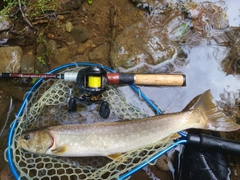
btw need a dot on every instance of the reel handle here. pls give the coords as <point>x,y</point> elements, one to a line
<point>147,79</point>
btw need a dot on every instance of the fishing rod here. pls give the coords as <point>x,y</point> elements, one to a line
<point>94,74</point>
<point>92,83</point>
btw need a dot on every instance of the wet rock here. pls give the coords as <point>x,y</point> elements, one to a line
<point>214,13</point>
<point>70,5</point>
<point>80,34</point>
<point>231,64</point>
<point>151,5</point>
<point>27,63</point>
<point>10,58</point>
<point>146,46</point>
<point>5,36</point>
<point>100,53</point>
<point>5,23</point>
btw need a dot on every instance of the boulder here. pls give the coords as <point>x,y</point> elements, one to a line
<point>5,23</point>
<point>10,58</point>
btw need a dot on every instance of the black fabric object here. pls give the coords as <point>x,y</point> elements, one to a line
<point>198,164</point>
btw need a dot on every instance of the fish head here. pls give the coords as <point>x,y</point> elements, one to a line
<point>36,141</point>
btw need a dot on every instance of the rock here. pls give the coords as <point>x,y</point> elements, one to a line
<point>83,47</point>
<point>5,23</point>
<point>59,57</point>
<point>71,5</point>
<point>68,27</point>
<point>80,34</point>
<point>52,45</point>
<point>41,53</point>
<point>60,17</point>
<point>27,63</point>
<point>10,58</point>
<point>146,46</point>
<point>215,14</point>
<point>152,5</point>
<point>5,36</point>
<point>231,64</point>
<point>100,53</point>
<point>41,49</point>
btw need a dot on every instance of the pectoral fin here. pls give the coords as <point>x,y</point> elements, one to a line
<point>116,157</point>
<point>59,150</point>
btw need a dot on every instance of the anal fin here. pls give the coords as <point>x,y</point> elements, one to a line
<point>175,136</point>
<point>115,157</point>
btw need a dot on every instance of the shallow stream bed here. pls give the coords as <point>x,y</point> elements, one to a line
<point>160,38</point>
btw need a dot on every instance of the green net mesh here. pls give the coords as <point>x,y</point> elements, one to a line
<point>48,106</point>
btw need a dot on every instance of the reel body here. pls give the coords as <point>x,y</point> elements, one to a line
<point>92,83</point>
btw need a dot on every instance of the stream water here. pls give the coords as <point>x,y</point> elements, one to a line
<point>203,71</point>
<point>212,64</point>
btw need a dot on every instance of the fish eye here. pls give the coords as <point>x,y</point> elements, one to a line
<point>26,137</point>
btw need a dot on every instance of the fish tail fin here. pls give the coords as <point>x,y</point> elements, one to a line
<point>214,118</point>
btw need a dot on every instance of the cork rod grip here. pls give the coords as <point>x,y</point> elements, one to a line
<point>160,79</point>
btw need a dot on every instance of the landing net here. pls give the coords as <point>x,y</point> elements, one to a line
<point>47,107</point>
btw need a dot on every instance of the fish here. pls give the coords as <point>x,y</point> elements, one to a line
<point>112,139</point>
